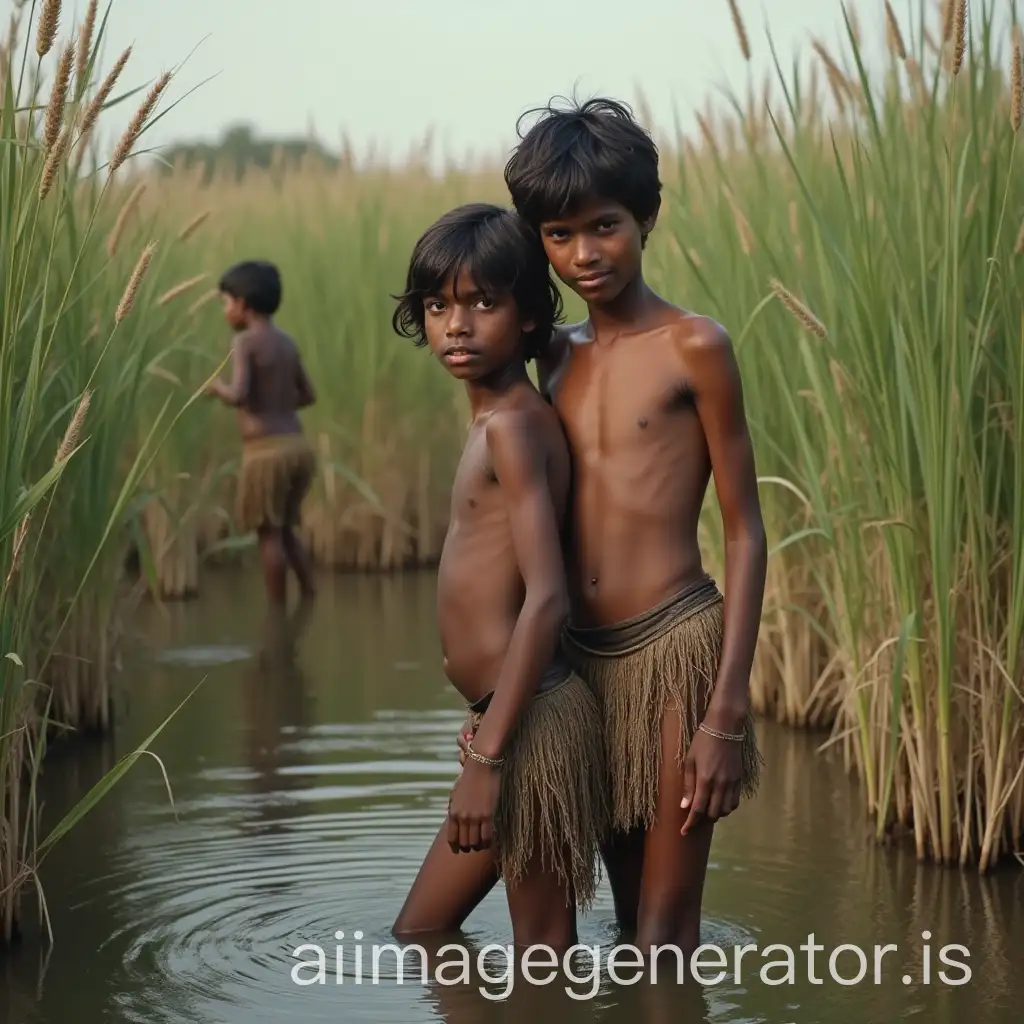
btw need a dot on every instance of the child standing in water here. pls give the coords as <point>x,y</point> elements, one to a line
<point>650,399</point>
<point>529,803</point>
<point>268,386</point>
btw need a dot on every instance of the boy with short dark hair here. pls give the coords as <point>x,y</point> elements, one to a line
<point>269,385</point>
<point>529,805</point>
<point>651,401</point>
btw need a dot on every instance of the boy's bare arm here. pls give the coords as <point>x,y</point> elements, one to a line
<point>306,391</point>
<point>548,363</point>
<point>520,463</point>
<point>237,391</point>
<point>715,378</point>
<point>713,768</point>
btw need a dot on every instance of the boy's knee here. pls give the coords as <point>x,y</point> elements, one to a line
<point>671,919</point>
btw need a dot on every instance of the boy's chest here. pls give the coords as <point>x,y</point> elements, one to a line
<point>611,401</point>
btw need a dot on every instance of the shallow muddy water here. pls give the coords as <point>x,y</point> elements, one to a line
<point>308,779</point>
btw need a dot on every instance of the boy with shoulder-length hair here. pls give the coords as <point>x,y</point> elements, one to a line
<point>650,399</point>
<point>530,803</point>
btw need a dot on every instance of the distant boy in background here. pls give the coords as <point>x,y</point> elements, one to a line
<point>268,386</point>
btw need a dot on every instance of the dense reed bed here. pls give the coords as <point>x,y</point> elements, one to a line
<point>870,265</point>
<point>81,338</point>
<point>856,224</point>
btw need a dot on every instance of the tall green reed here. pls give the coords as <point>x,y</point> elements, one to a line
<point>886,441</point>
<point>74,353</point>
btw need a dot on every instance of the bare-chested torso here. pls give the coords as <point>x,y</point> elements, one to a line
<point>277,383</point>
<point>480,590</point>
<point>641,465</point>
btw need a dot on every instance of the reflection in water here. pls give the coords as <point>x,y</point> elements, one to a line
<point>311,771</point>
<point>276,704</point>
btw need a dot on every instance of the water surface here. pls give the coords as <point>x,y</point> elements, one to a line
<point>308,779</point>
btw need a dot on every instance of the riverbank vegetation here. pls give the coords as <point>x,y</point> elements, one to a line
<point>856,223</point>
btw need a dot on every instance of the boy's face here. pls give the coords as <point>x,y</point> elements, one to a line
<point>597,250</point>
<point>234,311</point>
<point>473,334</point>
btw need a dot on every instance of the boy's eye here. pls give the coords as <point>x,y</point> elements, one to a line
<point>485,304</point>
<point>434,305</point>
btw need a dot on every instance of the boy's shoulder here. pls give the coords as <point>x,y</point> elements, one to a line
<point>695,333</point>
<point>523,431</point>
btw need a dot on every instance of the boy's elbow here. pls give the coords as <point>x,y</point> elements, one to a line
<point>552,608</point>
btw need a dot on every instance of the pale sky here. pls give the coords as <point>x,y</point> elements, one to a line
<point>385,71</point>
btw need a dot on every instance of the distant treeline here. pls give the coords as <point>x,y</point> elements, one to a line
<point>240,149</point>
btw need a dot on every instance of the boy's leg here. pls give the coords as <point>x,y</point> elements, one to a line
<point>299,562</point>
<point>542,909</point>
<point>623,857</point>
<point>674,866</point>
<point>447,889</point>
<point>294,551</point>
<point>275,564</point>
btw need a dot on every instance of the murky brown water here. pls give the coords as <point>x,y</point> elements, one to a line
<point>306,792</point>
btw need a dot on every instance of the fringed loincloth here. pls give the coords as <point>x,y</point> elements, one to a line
<point>275,474</point>
<point>665,658</point>
<point>553,799</point>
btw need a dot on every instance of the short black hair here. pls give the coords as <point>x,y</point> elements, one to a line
<point>256,282</point>
<point>501,254</point>
<point>590,150</point>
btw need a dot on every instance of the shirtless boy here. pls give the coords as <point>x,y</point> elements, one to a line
<point>268,386</point>
<point>650,399</point>
<point>529,803</point>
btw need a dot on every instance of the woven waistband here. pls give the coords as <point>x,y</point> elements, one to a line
<point>637,632</point>
<point>556,674</point>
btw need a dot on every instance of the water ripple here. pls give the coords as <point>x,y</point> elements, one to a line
<point>214,904</point>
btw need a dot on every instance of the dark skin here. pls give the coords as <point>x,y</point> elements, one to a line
<point>268,386</point>
<point>651,401</point>
<point>501,602</point>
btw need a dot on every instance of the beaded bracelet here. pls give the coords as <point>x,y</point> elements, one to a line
<point>736,737</point>
<point>492,762</point>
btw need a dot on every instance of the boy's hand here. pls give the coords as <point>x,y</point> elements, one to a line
<point>471,808</point>
<point>712,777</point>
<point>464,737</point>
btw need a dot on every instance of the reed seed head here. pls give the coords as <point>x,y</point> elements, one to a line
<point>1016,84</point>
<point>137,123</point>
<point>124,307</point>
<point>179,289</point>
<point>58,96</point>
<point>893,33</point>
<point>95,108</point>
<point>74,429</point>
<point>53,161</point>
<point>948,19</point>
<point>193,226</point>
<point>46,30</point>
<point>799,311</point>
<point>203,299</point>
<point>84,46</point>
<point>741,29</point>
<point>959,35</point>
<point>114,238</point>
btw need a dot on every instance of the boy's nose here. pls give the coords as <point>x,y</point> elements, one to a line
<point>586,254</point>
<point>458,325</point>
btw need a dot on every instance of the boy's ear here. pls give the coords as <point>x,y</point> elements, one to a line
<point>647,225</point>
<point>529,326</point>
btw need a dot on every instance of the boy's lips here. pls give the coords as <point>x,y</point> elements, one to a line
<point>456,355</point>
<point>593,279</point>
